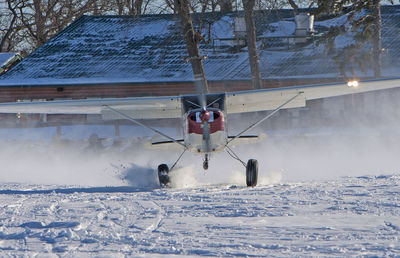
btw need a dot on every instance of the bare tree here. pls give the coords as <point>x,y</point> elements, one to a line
<point>9,19</point>
<point>225,5</point>
<point>279,4</point>
<point>377,38</point>
<point>100,7</point>
<point>42,19</point>
<point>192,40</point>
<point>248,6</point>
<point>30,23</point>
<point>130,7</point>
<point>367,28</point>
<point>295,7</point>
<point>170,5</point>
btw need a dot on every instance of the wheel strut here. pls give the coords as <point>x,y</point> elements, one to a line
<point>251,168</point>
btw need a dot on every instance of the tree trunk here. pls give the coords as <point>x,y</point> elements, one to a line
<point>5,40</point>
<point>294,6</point>
<point>192,40</point>
<point>120,5</point>
<point>138,7</point>
<point>377,39</point>
<point>40,23</point>
<point>248,6</point>
<point>226,5</point>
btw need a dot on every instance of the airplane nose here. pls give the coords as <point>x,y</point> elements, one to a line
<point>205,116</point>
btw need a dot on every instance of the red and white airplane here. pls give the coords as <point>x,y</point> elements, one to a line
<point>203,115</point>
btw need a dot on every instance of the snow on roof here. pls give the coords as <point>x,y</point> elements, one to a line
<point>127,49</point>
<point>4,57</point>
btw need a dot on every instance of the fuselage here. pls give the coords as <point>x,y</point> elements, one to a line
<point>194,137</point>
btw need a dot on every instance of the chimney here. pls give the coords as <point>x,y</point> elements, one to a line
<point>304,27</point>
<point>239,31</point>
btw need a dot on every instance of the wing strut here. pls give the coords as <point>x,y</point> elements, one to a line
<point>265,118</point>
<point>145,126</point>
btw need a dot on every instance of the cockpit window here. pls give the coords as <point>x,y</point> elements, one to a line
<point>196,116</point>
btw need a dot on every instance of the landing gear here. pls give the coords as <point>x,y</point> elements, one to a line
<point>251,172</point>
<point>251,168</point>
<point>163,176</point>
<point>205,162</point>
<point>163,171</point>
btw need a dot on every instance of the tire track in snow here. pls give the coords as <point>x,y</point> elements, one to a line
<point>159,217</point>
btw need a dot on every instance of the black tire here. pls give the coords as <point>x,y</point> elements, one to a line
<point>252,172</point>
<point>163,176</point>
<point>205,165</point>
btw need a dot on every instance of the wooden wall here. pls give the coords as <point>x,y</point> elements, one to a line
<point>13,93</point>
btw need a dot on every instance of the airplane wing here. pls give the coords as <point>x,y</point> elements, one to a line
<point>171,107</point>
<point>270,99</point>
<point>136,108</point>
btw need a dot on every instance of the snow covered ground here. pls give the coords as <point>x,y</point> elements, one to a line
<point>346,217</point>
<point>318,196</point>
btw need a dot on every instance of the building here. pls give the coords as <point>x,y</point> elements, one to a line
<point>8,61</point>
<point>121,56</point>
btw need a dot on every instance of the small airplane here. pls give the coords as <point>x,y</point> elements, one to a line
<point>204,116</point>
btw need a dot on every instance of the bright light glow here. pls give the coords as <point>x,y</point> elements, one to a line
<point>352,83</point>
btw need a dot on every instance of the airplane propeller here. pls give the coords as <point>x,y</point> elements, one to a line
<point>204,115</point>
